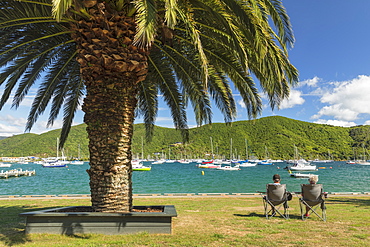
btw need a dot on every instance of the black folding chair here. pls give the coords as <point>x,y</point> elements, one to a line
<point>312,199</point>
<point>275,198</point>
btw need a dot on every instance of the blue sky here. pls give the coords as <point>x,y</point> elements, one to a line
<point>331,53</point>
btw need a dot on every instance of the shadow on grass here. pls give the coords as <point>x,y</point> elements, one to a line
<point>361,202</point>
<point>12,226</point>
<point>292,216</point>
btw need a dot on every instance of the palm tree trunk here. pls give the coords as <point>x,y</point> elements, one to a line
<point>109,115</point>
<point>111,68</point>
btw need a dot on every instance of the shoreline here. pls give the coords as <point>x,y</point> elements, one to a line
<point>166,195</point>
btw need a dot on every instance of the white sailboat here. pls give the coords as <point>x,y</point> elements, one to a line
<point>78,161</point>
<point>363,162</point>
<point>55,161</point>
<point>301,164</point>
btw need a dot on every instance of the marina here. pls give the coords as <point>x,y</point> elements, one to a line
<point>186,178</point>
<point>16,173</point>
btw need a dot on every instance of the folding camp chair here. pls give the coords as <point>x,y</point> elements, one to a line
<point>312,198</point>
<point>276,197</point>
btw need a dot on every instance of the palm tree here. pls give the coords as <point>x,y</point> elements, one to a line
<point>119,55</point>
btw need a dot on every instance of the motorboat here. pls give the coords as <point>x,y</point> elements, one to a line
<point>363,162</point>
<point>302,165</point>
<point>207,162</point>
<point>301,175</point>
<point>184,161</point>
<point>247,164</point>
<point>141,168</point>
<point>138,166</point>
<point>5,164</point>
<point>161,161</point>
<point>265,162</point>
<point>76,162</point>
<point>209,165</point>
<point>54,164</point>
<point>228,168</point>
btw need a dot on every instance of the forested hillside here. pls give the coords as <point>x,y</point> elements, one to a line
<point>270,137</point>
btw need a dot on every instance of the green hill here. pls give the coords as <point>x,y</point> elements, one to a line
<point>273,137</point>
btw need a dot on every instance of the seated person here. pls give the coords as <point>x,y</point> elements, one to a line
<point>313,179</point>
<point>276,179</point>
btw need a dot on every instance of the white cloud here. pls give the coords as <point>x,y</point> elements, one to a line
<point>367,122</point>
<point>337,112</point>
<point>11,120</point>
<point>9,130</point>
<point>27,100</point>
<point>336,123</point>
<point>40,126</point>
<point>293,100</point>
<point>310,82</point>
<point>161,119</point>
<point>347,99</point>
<point>241,104</point>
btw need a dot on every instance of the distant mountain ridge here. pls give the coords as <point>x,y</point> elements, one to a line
<point>269,137</point>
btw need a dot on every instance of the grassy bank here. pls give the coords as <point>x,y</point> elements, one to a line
<point>207,221</point>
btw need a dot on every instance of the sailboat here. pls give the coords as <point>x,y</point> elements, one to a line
<point>301,164</point>
<point>55,161</point>
<point>246,162</point>
<point>267,161</point>
<point>78,161</point>
<point>363,162</point>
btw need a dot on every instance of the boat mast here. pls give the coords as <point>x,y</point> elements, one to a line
<point>295,153</point>
<point>57,147</point>
<point>246,149</point>
<point>142,149</point>
<point>231,148</point>
<point>211,147</point>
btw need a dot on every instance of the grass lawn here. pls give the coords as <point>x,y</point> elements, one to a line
<point>209,221</point>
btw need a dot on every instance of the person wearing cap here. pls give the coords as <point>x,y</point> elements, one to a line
<point>276,179</point>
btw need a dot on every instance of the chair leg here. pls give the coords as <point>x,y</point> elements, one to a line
<point>275,210</point>
<point>265,204</point>
<point>313,210</point>
<point>286,213</point>
<point>324,214</point>
<point>301,205</point>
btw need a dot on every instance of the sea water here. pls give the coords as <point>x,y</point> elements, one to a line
<point>186,178</point>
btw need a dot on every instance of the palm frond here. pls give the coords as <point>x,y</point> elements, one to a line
<point>171,13</point>
<point>279,16</point>
<point>162,75</point>
<point>73,98</point>
<point>35,47</point>
<point>146,22</point>
<point>148,103</point>
<point>60,7</point>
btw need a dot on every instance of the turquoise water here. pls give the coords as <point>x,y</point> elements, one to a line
<point>185,178</point>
